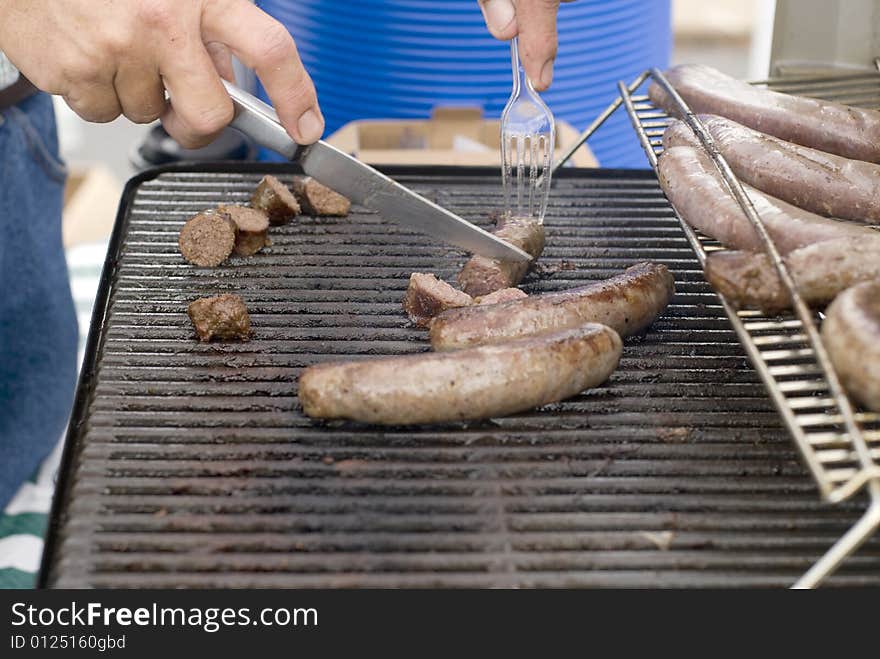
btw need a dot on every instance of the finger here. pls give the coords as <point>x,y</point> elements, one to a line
<point>95,102</point>
<point>537,39</point>
<point>222,58</point>
<point>140,92</point>
<point>265,45</point>
<point>199,106</point>
<point>500,16</point>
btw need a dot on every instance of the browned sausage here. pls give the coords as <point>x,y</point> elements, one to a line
<point>482,276</point>
<point>814,180</point>
<point>273,198</point>
<point>207,239</point>
<point>627,303</point>
<point>824,125</point>
<point>224,317</point>
<point>252,228</point>
<point>819,271</point>
<point>317,199</point>
<point>478,383</point>
<point>426,296</point>
<point>696,189</point>
<point>851,333</point>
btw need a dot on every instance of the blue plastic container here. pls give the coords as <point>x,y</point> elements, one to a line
<point>401,58</point>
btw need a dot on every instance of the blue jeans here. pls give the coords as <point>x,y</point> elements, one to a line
<point>38,331</point>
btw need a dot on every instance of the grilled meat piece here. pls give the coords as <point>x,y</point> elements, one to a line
<point>824,125</point>
<point>851,333</point>
<point>504,295</point>
<point>478,383</point>
<point>253,228</point>
<point>819,271</point>
<point>427,296</point>
<point>813,180</point>
<point>317,199</point>
<point>695,187</point>
<point>207,239</point>
<point>627,303</point>
<point>275,200</point>
<point>482,275</point>
<point>224,317</point>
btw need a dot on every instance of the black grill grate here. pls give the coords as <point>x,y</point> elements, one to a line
<point>191,464</point>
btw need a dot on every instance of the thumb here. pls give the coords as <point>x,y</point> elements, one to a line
<point>500,18</point>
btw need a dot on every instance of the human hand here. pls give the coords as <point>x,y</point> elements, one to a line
<point>534,21</point>
<point>119,56</point>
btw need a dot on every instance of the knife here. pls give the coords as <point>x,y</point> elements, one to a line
<point>363,184</point>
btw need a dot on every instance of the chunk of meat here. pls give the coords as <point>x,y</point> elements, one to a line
<point>252,228</point>
<point>224,317</point>
<point>276,200</point>
<point>481,275</point>
<point>426,296</point>
<point>207,239</point>
<point>317,199</point>
<point>503,295</point>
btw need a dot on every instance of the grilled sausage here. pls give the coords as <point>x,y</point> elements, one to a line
<point>695,187</point>
<point>317,199</point>
<point>824,125</point>
<point>252,228</point>
<point>627,303</point>
<point>482,276</point>
<point>207,239</point>
<point>819,271</point>
<point>478,383</point>
<point>816,181</point>
<point>851,333</point>
<point>503,295</point>
<point>426,296</point>
<point>224,317</point>
<point>275,200</point>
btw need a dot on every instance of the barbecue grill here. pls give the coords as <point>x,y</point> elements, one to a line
<point>191,465</point>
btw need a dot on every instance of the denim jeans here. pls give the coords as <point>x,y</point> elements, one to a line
<point>38,331</point>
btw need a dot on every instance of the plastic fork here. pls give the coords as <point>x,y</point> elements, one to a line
<point>528,136</point>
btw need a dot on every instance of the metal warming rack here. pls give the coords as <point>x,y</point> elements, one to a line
<point>840,445</point>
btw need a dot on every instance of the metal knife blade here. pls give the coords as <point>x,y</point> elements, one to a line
<point>363,184</point>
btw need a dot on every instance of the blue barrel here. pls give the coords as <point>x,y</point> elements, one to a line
<point>401,58</point>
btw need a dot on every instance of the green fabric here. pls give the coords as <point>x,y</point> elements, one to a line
<point>12,578</point>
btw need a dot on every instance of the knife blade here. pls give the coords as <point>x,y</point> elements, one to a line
<point>363,184</point>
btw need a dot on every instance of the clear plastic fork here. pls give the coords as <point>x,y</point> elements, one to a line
<point>528,136</point>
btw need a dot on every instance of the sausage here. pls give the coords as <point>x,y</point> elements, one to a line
<point>275,200</point>
<point>627,303</point>
<point>207,239</point>
<point>477,383</point>
<point>317,199</point>
<point>482,276</point>
<point>426,296</point>
<point>224,317</point>
<point>695,187</point>
<point>252,228</point>
<point>824,125</point>
<point>819,271</point>
<point>851,334</point>
<point>502,295</point>
<point>816,181</point>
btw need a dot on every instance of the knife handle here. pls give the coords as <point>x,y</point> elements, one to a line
<point>260,122</point>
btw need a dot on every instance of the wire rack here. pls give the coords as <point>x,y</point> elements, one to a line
<point>839,444</point>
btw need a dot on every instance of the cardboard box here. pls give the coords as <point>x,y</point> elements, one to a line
<point>452,136</point>
<point>91,199</point>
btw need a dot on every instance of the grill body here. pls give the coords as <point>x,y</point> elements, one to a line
<point>192,465</point>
